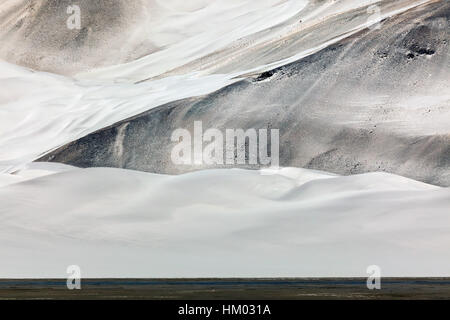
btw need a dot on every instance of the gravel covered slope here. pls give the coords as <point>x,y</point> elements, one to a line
<point>376,101</point>
<point>35,34</point>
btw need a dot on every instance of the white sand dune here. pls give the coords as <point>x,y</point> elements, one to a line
<point>32,171</point>
<point>42,111</point>
<point>223,223</point>
<point>213,223</point>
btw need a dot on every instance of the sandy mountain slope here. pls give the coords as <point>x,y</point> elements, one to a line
<point>348,98</point>
<point>376,101</point>
<point>42,111</point>
<point>35,33</point>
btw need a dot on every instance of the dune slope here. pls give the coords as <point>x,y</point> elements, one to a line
<point>122,223</point>
<point>375,101</point>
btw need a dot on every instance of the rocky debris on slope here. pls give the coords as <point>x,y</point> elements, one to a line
<point>360,105</point>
